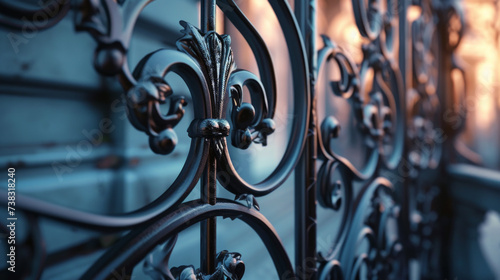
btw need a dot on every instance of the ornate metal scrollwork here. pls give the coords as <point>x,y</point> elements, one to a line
<point>368,239</point>
<point>205,61</point>
<point>367,243</point>
<point>425,149</point>
<point>229,266</point>
<point>111,24</point>
<point>144,101</point>
<point>250,126</point>
<point>374,90</point>
<point>215,58</point>
<point>142,244</point>
<point>213,55</point>
<point>378,111</point>
<point>434,35</point>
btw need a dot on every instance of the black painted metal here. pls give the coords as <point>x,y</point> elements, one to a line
<point>397,112</point>
<point>305,175</point>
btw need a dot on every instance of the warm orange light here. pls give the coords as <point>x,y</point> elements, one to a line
<point>479,52</point>
<point>219,21</point>
<point>485,106</point>
<point>413,13</point>
<point>345,33</point>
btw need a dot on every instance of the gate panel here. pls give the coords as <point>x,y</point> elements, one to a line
<point>366,144</point>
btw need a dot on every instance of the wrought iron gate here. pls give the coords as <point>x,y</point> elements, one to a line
<point>389,208</point>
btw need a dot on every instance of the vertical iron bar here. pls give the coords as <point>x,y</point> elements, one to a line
<point>404,53</point>
<point>208,228</point>
<point>208,15</point>
<point>445,90</point>
<point>447,101</point>
<point>405,66</point>
<point>305,174</point>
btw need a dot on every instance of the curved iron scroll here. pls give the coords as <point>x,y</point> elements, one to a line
<point>136,245</point>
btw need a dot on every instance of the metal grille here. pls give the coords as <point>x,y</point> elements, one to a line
<point>389,209</point>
